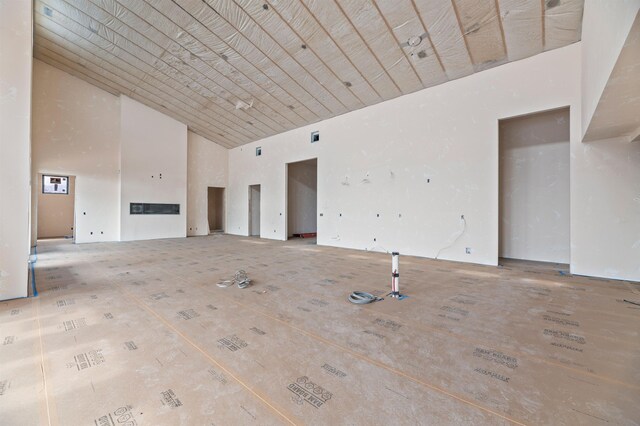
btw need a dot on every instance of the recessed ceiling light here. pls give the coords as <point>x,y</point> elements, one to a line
<point>414,41</point>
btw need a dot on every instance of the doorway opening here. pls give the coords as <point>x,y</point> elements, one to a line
<point>302,199</point>
<point>215,209</point>
<point>534,187</point>
<point>254,210</point>
<point>56,206</point>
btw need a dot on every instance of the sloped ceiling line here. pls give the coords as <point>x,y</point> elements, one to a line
<point>68,65</point>
<point>296,46</point>
<point>231,77</point>
<point>207,100</point>
<point>94,41</point>
<point>237,18</point>
<point>296,61</point>
<point>220,91</point>
<point>205,36</point>
<point>125,82</point>
<point>207,18</point>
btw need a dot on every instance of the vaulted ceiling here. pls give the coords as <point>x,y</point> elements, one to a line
<point>236,71</point>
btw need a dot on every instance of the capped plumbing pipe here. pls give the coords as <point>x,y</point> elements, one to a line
<point>395,275</point>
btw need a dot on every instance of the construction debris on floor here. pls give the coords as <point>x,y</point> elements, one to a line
<point>138,333</point>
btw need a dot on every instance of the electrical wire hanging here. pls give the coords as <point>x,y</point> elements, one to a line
<point>455,240</point>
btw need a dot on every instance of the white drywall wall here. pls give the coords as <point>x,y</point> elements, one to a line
<point>207,165</point>
<point>15,145</point>
<point>534,187</point>
<point>605,28</point>
<point>419,162</point>
<point>605,198</point>
<point>153,170</point>
<point>302,196</point>
<point>55,211</point>
<point>76,131</point>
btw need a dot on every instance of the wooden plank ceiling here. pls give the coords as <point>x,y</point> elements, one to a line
<point>236,71</point>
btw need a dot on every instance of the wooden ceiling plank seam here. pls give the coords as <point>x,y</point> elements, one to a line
<point>563,23</point>
<point>332,53</point>
<point>297,73</point>
<point>151,71</point>
<point>211,73</point>
<point>114,88</point>
<point>521,23</point>
<point>134,95</point>
<point>317,69</point>
<point>426,31</point>
<point>375,57</point>
<point>178,96</point>
<point>499,16</point>
<point>542,18</point>
<point>130,90</point>
<point>374,28</point>
<point>220,92</point>
<point>439,17</point>
<point>264,96</point>
<point>299,106</point>
<point>395,38</point>
<point>101,19</point>
<point>140,53</point>
<point>191,59</point>
<point>237,42</point>
<point>40,54</point>
<point>193,112</point>
<point>403,23</point>
<point>462,31</point>
<point>369,71</point>
<point>335,85</point>
<point>482,30</point>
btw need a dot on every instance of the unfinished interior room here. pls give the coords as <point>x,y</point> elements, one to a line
<point>319,212</point>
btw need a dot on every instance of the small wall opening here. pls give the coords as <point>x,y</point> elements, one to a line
<point>56,206</point>
<point>215,209</point>
<point>302,199</point>
<point>534,187</point>
<point>254,210</point>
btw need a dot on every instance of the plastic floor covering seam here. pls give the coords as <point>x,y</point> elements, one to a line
<point>471,340</point>
<point>42,363</point>
<point>203,352</point>
<point>377,363</point>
